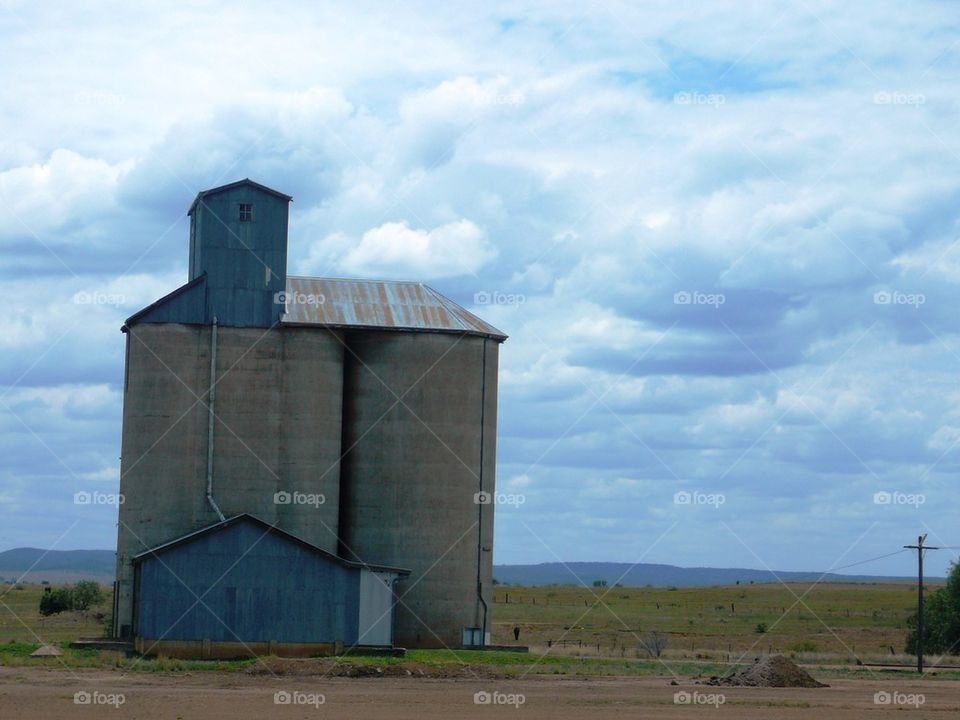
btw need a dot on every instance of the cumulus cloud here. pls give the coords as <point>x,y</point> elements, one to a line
<point>67,188</point>
<point>395,250</point>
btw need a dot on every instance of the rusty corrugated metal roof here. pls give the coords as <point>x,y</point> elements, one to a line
<point>384,304</point>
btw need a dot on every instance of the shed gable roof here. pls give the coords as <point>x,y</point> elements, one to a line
<point>267,528</point>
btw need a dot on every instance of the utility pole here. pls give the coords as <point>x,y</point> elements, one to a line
<point>920,547</point>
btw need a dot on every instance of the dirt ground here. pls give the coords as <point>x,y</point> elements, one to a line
<point>30,693</point>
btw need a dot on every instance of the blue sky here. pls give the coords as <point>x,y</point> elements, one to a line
<point>723,242</point>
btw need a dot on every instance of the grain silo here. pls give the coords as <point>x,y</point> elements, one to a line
<point>357,417</point>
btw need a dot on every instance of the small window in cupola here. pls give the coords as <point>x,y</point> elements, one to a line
<point>246,212</point>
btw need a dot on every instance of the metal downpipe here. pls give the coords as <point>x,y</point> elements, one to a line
<point>211,417</point>
<point>483,408</point>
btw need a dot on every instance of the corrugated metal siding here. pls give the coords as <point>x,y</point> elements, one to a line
<point>269,588</point>
<point>237,256</point>
<point>187,305</point>
<point>378,304</point>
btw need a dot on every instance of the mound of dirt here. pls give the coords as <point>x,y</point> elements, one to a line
<point>770,671</point>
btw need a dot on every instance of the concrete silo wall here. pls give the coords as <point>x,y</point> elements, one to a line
<point>278,406</point>
<point>411,470</point>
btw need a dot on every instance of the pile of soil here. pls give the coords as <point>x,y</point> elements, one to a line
<point>770,671</point>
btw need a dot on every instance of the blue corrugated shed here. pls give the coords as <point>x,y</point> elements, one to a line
<point>257,584</point>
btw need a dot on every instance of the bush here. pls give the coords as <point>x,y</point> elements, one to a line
<point>760,629</point>
<point>941,618</point>
<point>82,596</point>
<point>655,643</point>
<point>86,594</point>
<point>56,601</point>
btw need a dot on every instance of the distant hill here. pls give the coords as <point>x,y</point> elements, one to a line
<point>644,574</point>
<point>57,565</point>
<point>61,566</point>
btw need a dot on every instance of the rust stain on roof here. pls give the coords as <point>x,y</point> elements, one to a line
<point>391,305</point>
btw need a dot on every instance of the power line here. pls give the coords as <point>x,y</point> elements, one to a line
<point>864,562</point>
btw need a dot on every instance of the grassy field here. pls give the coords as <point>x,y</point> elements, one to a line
<point>21,621</point>
<point>844,620</point>
<point>598,631</point>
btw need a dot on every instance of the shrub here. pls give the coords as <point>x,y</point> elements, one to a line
<point>56,601</point>
<point>760,629</point>
<point>86,594</point>
<point>655,643</point>
<point>941,618</point>
<point>82,596</point>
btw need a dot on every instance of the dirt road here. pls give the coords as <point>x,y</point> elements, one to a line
<point>49,694</point>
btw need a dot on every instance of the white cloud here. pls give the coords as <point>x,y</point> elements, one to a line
<point>67,188</point>
<point>519,481</point>
<point>396,250</point>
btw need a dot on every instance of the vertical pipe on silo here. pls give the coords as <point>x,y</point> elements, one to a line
<point>483,409</point>
<point>211,399</point>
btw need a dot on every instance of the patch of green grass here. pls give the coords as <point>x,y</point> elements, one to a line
<point>551,664</point>
<point>20,618</point>
<point>15,649</point>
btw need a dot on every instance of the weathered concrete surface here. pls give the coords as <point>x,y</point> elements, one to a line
<point>404,494</point>
<point>278,410</point>
<point>411,470</point>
